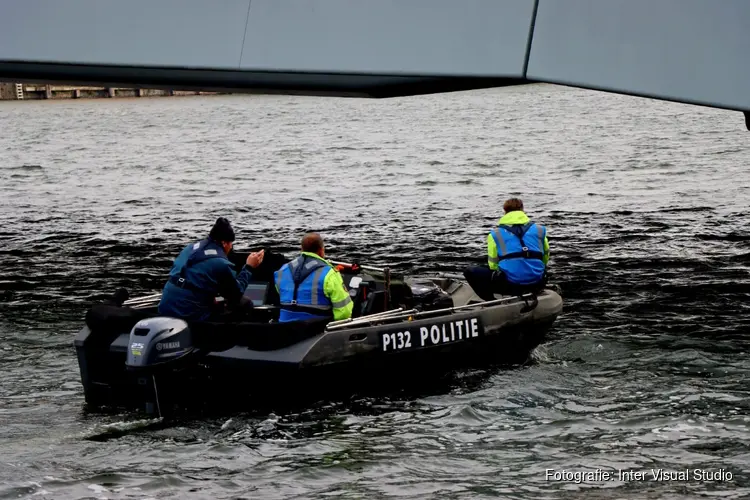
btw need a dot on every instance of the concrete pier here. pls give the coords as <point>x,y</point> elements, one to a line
<point>24,91</point>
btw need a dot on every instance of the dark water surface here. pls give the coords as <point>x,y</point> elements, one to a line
<point>646,204</point>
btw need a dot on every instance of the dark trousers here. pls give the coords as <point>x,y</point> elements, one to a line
<point>486,283</point>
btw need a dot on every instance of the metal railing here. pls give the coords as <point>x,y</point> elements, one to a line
<point>397,314</point>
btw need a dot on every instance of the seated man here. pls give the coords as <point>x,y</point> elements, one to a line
<point>309,287</point>
<point>517,254</point>
<point>201,272</point>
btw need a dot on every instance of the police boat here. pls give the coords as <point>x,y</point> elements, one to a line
<point>401,329</point>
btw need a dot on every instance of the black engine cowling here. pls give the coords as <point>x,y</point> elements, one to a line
<point>154,342</point>
<point>428,296</point>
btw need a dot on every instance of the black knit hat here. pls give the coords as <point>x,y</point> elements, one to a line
<point>222,230</point>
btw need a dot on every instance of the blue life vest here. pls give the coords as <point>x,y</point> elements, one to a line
<point>201,251</point>
<point>301,293</point>
<point>520,250</point>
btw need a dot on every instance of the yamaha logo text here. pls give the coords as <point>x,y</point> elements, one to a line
<point>167,345</point>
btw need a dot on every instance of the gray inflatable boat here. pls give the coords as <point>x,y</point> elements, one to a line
<point>401,329</point>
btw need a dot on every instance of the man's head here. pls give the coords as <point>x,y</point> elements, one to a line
<point>313,243</point>
<point>512,205</point>
<point>223,234</point>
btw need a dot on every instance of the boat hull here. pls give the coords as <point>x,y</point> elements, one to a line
<point>351,359</point>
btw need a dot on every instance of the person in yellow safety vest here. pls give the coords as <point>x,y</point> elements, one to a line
<point>517,256</point>
<point>309,286</point>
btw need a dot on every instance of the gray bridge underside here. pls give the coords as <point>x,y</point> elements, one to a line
<point>691,51</point>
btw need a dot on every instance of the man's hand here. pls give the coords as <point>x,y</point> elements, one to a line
<point>255,258</point>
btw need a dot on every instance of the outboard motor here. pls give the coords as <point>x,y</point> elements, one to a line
<point>156,346</point>
<point>157,341</point>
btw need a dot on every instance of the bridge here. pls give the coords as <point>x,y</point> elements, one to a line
<point>689,51</point>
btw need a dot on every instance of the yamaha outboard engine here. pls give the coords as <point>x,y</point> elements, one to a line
<point>156,346</point>
<point>156,341</point>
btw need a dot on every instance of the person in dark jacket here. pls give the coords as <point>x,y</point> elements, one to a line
<point>201,272</point>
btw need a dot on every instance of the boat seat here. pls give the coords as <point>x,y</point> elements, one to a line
<point>366,300</point>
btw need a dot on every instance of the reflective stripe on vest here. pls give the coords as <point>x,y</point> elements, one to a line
<point>502,251</point>
<point>202,250</point>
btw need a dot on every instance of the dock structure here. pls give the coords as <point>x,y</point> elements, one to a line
<point>30,91</point>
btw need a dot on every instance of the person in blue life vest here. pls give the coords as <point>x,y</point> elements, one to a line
<point>517,256</point>
<point>309,286</point>
<point>201,272</point>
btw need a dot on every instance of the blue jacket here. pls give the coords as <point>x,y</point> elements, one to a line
<point>200,273</point>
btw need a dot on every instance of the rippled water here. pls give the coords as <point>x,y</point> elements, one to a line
<point>645,202</point>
